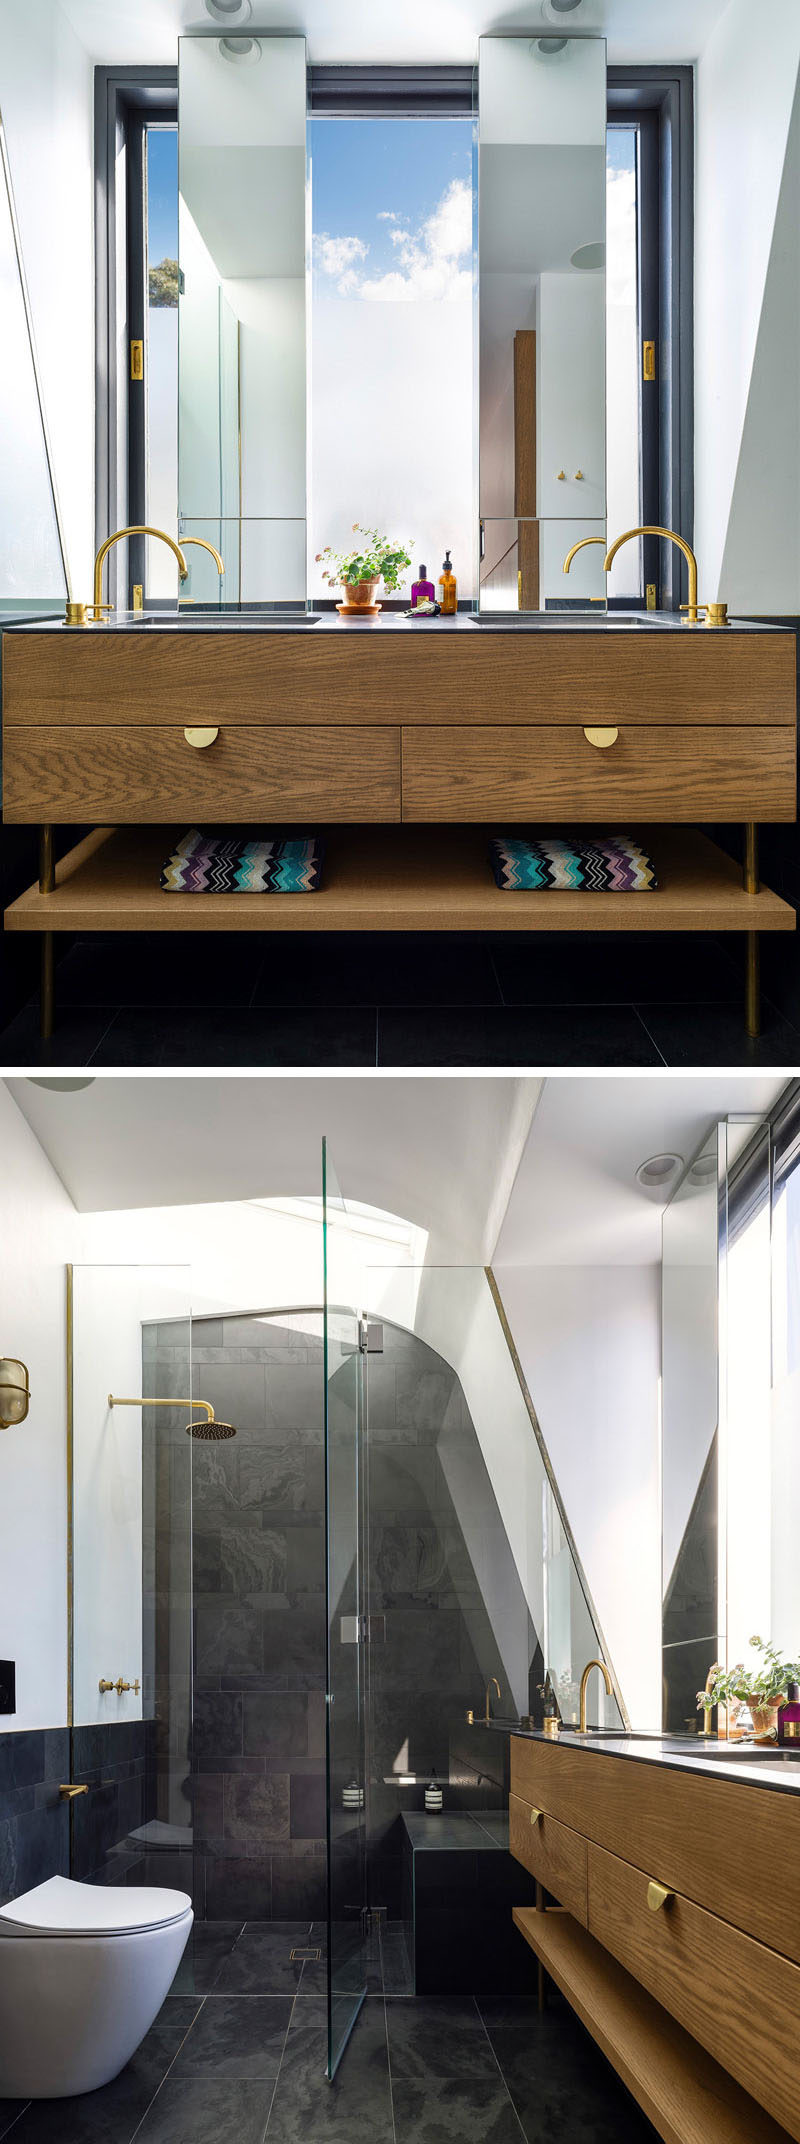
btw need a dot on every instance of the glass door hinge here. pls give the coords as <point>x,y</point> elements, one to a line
<point>370,1337</point>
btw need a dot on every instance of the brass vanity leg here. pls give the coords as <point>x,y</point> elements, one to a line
<point>540,1979</point>
<point>47,880</point>
<point>752,994</point>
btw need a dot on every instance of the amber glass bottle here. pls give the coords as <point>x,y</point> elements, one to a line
<point>449,588</point>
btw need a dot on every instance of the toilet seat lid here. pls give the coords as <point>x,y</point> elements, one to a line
<point>61,1907</point>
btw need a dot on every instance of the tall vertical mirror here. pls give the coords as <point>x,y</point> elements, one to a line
<point>242,324</point>
<point>542,214</point>
<point>33,568</point>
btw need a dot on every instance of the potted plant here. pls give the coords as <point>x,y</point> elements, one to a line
<point>359,571</point>
<point>762,1687</point>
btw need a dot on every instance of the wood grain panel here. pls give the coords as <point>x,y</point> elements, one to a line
<point>525,423</point>
<point>688,2097</point>
<point>670,772</point>
<point>555,1856</point>
<point>738,1998</point>
<point>696,1834</point>
<point>393,878</point>
<point>147,774</point>
<point>431,675</point>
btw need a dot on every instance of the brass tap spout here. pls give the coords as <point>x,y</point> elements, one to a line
<point>200,541</point>
<point>581,1730</point>
<point>670,537</point>
<point>581,547</point>
<point>141,529</point>
<point>492,1681</point>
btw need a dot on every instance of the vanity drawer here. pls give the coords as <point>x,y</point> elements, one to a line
<point>668,771</point>
<point>152,774</point>
<point>554,1855</point>
<point>696,1833</point>
<point>738,1998</point>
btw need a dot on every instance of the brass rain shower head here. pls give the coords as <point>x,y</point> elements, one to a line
<point>208,1432</point>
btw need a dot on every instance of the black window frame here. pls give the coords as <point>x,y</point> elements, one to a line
<point>660,100</point>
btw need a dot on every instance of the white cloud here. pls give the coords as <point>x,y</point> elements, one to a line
<point>337,256</point>
<point>434,261</point>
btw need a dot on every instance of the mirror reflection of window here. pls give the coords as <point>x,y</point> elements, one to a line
<point>624,483</point>
<point>161,368</point>
<point>392,212</point>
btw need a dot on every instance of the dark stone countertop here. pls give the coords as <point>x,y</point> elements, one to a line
<point>195,620</point>
<point>754,1766</point>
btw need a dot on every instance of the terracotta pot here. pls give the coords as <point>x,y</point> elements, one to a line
<point>361,594</point>
<point>765,1720</point>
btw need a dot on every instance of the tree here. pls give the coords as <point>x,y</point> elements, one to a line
<point>163,283</point>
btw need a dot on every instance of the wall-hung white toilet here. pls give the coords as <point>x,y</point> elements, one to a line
<point>83,1972</point>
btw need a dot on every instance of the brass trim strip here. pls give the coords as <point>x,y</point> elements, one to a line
<point>546,1462</point>
<point>70,1496</point>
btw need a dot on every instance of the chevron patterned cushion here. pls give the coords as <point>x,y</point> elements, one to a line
<point>226,863</point>
<point>610,863</point>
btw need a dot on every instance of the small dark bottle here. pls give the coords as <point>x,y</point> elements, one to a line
<point>789,1717</point>
<point>433,1794</point>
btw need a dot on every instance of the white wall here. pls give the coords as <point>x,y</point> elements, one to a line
<point>746,83</point>
<point>46,101</point>
<point>588,1340</point>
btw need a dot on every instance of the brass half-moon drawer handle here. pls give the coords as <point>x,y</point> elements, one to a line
<point>602,738</point>
<point>536,1816</point>
<point>658,1896</point>
<point>201,738</point>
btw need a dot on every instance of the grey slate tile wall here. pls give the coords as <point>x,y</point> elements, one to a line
<point>34,1821</point>
<point>259,1609</point>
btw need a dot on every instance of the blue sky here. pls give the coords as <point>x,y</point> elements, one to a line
<point>364,170</point>
<point>162,194</point>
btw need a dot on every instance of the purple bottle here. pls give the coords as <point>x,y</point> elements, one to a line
<point>422,588</point>
<point>789,1717</point>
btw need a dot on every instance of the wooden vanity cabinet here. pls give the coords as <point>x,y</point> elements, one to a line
<point>448,733</point>
<point>680,1944</point>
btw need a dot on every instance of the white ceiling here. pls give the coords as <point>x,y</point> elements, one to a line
<point>440,1152</point>
<point>378,31</point>
<point>524,1171</point>
<point>576,1200</point>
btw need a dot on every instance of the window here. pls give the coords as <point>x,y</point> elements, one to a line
<point>161,350</point>
<point>392,329</point>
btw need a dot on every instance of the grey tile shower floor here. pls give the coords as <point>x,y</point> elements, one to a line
<point>249,2067</point>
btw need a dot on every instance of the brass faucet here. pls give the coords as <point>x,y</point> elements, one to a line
<point>203,546</point>
<point>492,1680</point>
<point>581,547</point>
<point>670,536</point>
<point>581,1730</point>
<point>141,529</point>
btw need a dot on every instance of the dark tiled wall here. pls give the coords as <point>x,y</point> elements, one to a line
<point>115,1761</point>
<point>34,1822</point>
<point>433,1523</point>
<point>259,1608</point>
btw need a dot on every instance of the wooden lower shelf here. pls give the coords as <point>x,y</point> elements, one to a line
<point>688,2098</point>
<point>393,878</point>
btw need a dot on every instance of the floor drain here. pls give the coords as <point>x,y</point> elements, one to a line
<point>297,1957</point>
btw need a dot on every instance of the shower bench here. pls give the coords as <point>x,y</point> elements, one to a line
<point>407,744</point>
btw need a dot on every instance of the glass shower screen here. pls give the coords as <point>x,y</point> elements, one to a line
<point>345,1678</point>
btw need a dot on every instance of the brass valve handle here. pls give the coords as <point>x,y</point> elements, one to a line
<point>104,1686</point>
<point>121,1686</point>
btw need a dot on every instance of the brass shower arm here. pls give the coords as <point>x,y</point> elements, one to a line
<point>179,1401</point>
<point>200,541</point>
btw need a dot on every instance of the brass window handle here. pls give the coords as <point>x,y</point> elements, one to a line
<point>536,1816</point>
<point>602,738</point>
<point>201,738</point>
<point>658,1896</point>
<point>69,1792</point>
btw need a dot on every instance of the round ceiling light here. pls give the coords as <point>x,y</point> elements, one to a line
<point>62,1086</point>
<point>241,51</point>
<point>549,48</point>
<point>555,8</point>
<point>704,1169</point>
<point>229,11</point>
<point>591,256</point>
<point>659,1172</point>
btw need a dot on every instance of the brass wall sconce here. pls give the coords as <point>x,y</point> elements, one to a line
<point>15,1391</point>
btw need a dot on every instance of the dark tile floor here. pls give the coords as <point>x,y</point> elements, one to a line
<point>237,2056</point>
<point>413,1000</point>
